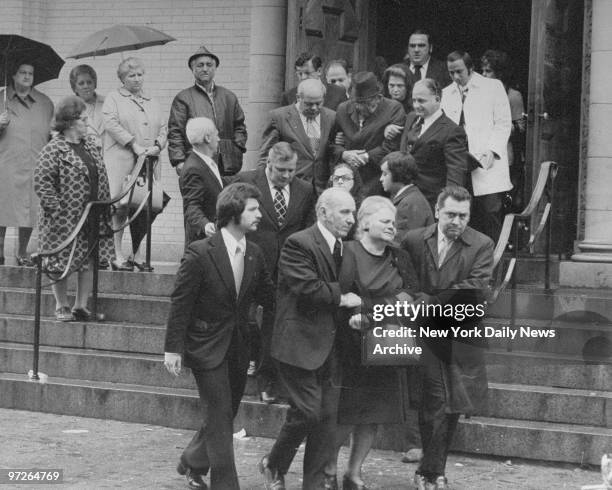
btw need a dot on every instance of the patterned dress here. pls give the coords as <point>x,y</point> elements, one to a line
<point>62,182</point>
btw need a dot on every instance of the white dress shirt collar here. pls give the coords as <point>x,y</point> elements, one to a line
<point>211,164</point>
<point>424,67</point>
<point>330,239</point>
<point>231,243</point>
<point>428,121</point>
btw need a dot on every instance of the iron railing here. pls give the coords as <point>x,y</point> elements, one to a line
<point>93,210</point>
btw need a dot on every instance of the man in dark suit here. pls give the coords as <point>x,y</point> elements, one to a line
<point>454,263</point>
<point>309,128</point>
<point>217,281</point>
<point>309,66</point>
<point>438,145</point>
<point>399,171</point>
<point>200,181</point>
<point>419,63</point>
<point>308,299</point>
<point>362,122</point>
<point>287,206</point>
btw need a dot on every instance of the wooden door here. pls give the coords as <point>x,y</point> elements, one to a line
<point>328,28</point>
<point>553,107</point>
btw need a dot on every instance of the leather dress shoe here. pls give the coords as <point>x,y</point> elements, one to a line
<point>331,482</point>
<point>413,456</point>
<point>420,482</point>
<point>267,397</point>
<point>121,266</point>
<point>441,483</point>
<point>194,480</point>
<point>272,479</point>
<point>348,484</point>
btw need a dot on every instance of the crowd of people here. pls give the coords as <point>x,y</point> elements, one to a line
<point>338,217</point>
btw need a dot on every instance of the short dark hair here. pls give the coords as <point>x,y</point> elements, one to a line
<point>457,192</point>
<point>82,70</point>
<point>461,55</point>
<point>422,32</point>
<point>402,167</point>
<point>397,70</point>
<point>307,56</point>
<point>232,201</point>
<point>68,109</point>
<point>432,85</point>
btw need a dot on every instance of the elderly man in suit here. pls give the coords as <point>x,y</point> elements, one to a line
<point>399,171</point>
<point>287,206</point>
<point>217,281</point>
<point>481,106</point>
<point>309,128</point>
<point>362,122</point>
<point>438,145</point>
<point>454,263</point>
<point>308,66</point>
<point>419,63</point>
<point>200,181</point>
<point>308,299</point>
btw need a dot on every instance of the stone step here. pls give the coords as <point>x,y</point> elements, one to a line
<point>116,307</point>
<point>570,337</point>
<point>178,408</point>
<point>567,304</point>
<point>506,400</point>
<point>157,283</point>
<point>543,369</point>
<point>119,337</point>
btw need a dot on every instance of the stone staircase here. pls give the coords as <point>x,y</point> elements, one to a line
<point>545,402</point>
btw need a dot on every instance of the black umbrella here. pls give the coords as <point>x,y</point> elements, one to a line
<point>16,50</point>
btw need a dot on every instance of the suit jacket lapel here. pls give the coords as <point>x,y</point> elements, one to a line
<point>432,130</point>
<point>326,124</point>
<point>454,250</point>
<point>209,172</point>
<point>267,202</point>
<point>322,244</point>
<point>295,122</point>
<point>431,238</point>
<point>295,200</point>
<point>219,256</point>
<point>249,269</point>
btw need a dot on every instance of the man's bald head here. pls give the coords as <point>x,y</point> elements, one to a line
<point>336,211</point>
<point>310,95</point>
<point>202,133</point>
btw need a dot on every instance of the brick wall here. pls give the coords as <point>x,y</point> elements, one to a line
<point>222,25</point>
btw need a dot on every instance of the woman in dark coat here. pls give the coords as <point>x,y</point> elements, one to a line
<point>70,173</point>
<point>380,274</point>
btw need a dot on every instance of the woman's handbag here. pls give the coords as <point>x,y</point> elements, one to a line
<point>134,198</point>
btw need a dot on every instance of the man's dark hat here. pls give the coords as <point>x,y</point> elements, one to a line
<point>202,51</point>
<point>365,85</point>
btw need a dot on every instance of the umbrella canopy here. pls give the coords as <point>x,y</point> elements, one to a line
<point>119,38</point>
<point>16,50</point>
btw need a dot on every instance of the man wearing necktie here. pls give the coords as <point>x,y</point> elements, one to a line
<point>438,145</point>
<point>287,206</point>
<point>419,63</point>
<point>309,128</point>
<point>454,264</point>
<point>481,106</point>
<point>308,299</point>
<point>217,281</point>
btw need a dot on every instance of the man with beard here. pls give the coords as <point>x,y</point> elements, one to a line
<point>217,281</point>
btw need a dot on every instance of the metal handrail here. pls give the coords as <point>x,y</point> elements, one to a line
<point>547,176</point>
<point>91,208</point>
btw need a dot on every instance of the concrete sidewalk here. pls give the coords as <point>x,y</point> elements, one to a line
<point>97,454</point>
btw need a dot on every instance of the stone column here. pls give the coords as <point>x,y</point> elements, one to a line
<point>266,68</point>
<point>597,196</point>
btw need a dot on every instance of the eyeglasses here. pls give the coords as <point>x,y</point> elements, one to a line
<point>342,178</point>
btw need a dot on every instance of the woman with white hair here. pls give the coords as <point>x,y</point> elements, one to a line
<point>380,274</point>
<point>134,127</point>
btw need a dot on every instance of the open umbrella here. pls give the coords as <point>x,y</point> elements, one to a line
<point>119,38</point>
<point>16,49</point>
